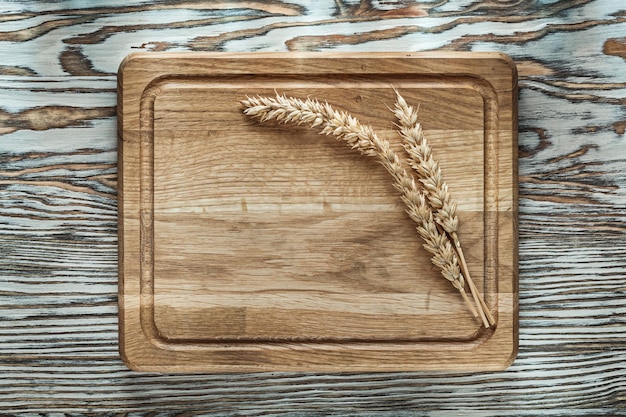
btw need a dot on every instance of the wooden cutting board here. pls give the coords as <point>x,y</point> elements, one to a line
<point>258,247</point>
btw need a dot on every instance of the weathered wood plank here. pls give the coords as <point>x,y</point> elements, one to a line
<point>58,271</point>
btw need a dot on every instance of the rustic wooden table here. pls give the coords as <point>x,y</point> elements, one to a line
<point>58,212</point>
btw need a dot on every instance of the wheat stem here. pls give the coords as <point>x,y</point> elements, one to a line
<point>288,110</point>
<point>469,304</point>
<point>473,289</point>
<point>439,196</point>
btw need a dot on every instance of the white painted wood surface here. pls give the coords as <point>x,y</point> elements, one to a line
<point>58,241</point>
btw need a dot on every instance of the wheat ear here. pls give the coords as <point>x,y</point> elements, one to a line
<point>439,196</point>
<point>342,125</point>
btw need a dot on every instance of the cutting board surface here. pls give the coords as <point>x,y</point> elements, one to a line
<point>259,247</point>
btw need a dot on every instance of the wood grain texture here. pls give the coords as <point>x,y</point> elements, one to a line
<point>58,236</point>
<point>248,248</point>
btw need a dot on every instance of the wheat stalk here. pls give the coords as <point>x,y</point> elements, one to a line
<point>439,196</point>
<point>288,110</point>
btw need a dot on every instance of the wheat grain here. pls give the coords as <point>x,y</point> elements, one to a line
<point>440,199</point>
<point>288,110</point>
<point>427,168</point>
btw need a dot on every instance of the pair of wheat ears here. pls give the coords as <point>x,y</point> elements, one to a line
<point>429,205</point>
